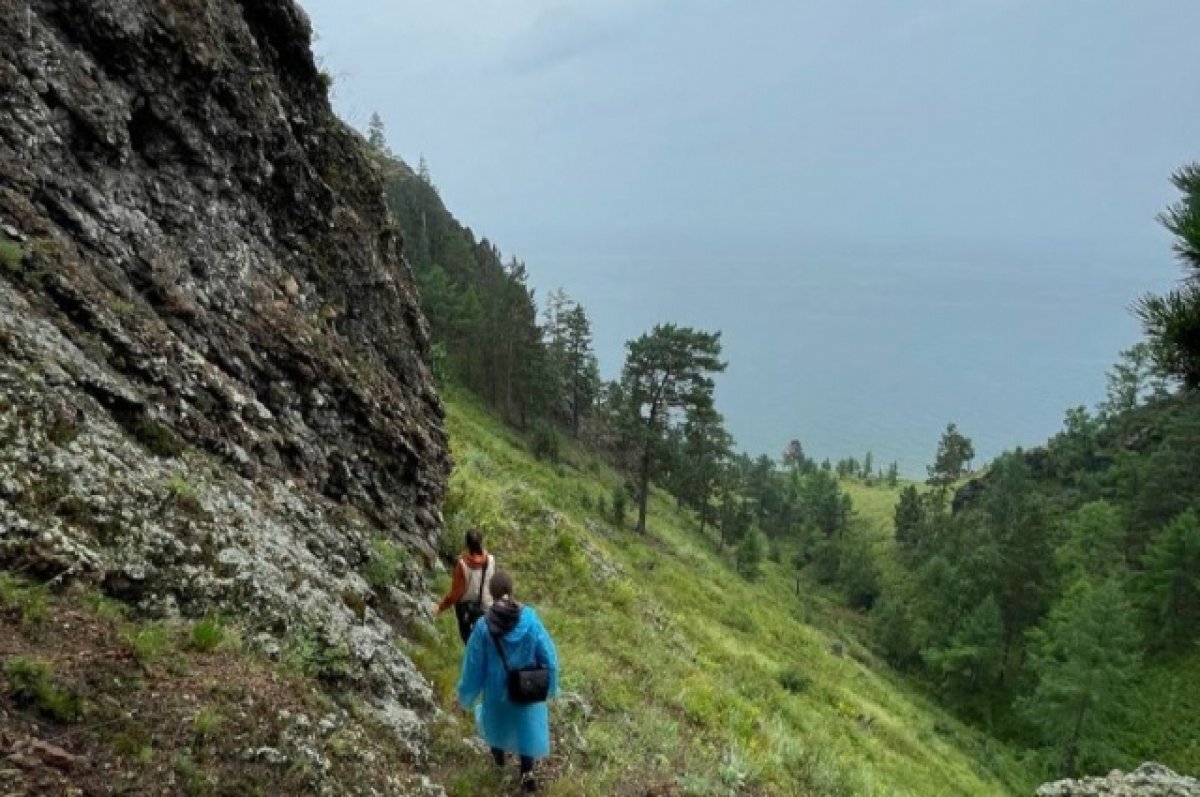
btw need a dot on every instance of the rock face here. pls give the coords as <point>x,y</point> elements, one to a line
<point>214,392</point>
<point>1148,780</point>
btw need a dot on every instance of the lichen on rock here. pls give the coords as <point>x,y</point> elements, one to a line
<point>214,388</point>
<point>1148,780</point>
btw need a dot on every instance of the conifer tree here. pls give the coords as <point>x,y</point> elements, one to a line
<point>1169,584</point>
<point>1083,657</point>
<point>953,459</point>
<point>667,374</point>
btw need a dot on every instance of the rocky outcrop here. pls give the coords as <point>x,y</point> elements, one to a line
<point>1148,780</point>
<point>214,392</point>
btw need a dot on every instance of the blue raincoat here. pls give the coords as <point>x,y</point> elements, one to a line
<point>524,730</point>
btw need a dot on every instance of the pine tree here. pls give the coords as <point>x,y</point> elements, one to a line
<point>1094,545</point>
<point>953,459</point>
<point>668,372</point>
<point>1169,585</point>
<point>972,658</point>
<point>908,518</point>
<point>1172,321</point>
<point>1084,658</point>
<point>376,136</point>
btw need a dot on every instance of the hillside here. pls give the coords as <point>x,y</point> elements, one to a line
<point>684,678</point>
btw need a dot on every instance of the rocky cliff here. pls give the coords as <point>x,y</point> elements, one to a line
<point>214,393</point>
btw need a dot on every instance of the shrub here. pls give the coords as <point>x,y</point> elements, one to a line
<point>31,683</point>
<point>148,643</point>
<point>27,601</point>
<point>794,681</point>
<point>207,635</point>
<point>544,442</point>
<point>620,502</point>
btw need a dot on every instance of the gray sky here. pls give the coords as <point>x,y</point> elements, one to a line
<point>678,144</point>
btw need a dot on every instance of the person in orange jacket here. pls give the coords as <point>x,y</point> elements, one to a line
<point>469,593</point>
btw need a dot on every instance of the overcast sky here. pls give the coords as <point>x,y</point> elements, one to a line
<point>649,131</point>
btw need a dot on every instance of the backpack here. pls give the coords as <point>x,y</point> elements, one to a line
<point>469,611</point>
<point>527,685</point>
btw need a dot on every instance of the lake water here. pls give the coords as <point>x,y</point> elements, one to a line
<point>877,350</point>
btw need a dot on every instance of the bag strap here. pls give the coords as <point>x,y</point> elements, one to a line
<point>483,577</point>
<point>500,649</point>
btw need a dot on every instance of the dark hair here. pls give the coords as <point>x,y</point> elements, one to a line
<point>501,585</point>
<point>475,541</point>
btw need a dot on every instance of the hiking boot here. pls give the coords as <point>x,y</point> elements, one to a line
<point>528,783</point>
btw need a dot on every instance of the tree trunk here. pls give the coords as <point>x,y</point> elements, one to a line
<point>643,490</point>
<point>1072,751</point>
<point>703,516</point>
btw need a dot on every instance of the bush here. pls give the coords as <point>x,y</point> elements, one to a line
<point>620,502</point>
<point>148,643</point>
<point>794,681</point>
<point>31,683</point>
<point>543,439</point>
<point>207,635</point>
<point>27,601</point>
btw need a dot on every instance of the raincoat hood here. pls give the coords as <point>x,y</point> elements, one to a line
<point>510,620</point>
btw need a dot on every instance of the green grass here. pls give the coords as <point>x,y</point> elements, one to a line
<point>701,682</point>
<point>31,682</point>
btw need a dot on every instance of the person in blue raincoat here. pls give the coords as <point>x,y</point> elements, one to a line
<point>523,730</point>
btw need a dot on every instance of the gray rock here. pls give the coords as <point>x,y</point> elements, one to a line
<point>1148,780</point>
<point>180,422</point>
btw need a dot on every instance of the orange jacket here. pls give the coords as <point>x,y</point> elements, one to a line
<point>458,585</point>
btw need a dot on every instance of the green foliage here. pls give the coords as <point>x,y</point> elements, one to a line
<point>148,642</point>
<point>208,635</point>
<point>910,514</point>
<point>207,724</point>
<point>1094,546</point>
<point>386,564</point>
<point>972,659</point>
<point>31,683</point>
<point>11,255</point>
<point>308,655</point>
<point>750,553</point>
<point>23,598</point>
<point>1084,658</point>
<point>668,371</point>
<point>953,459</point>
<point>544,442</point>
<point>794,681</point>
<point>1169,584</point>
<point>1172,321</point>
<point>620,505</point>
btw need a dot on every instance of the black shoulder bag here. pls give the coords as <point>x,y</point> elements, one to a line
<point>469,612</point>
<point>527,685</point>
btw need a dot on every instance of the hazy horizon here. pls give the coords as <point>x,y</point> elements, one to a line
<point>898,217</point>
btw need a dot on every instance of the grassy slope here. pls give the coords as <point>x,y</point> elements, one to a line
<point>682,660</point>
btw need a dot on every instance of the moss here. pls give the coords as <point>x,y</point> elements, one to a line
<point>11,255</point>
<point>385,565</point>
